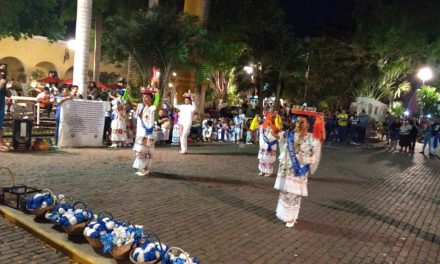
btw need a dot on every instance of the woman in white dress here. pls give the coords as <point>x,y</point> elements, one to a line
<point>267,154</point>
<point>300,153</point>
<point>118,124</point>
<point>145,139</point>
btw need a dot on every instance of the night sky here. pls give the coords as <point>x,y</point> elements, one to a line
<point>317,17</point>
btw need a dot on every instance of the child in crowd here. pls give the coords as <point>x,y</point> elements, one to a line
<point>215,129</point>
<point>206,130</point>
<point>232,132</point>
<point>224,131</point>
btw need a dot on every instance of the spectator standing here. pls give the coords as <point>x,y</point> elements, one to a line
<point>427,135</point>
<point>196,127</point>
<point>354,138</point>
<point>404,136</point>
<point>60,98</point>
<point>414,134</point>
<point>394,133</point>
<point>2,107</point>
<point>362,126</point>
<point>389,119</point>
<point>435,137</point>
<point>342,126</point>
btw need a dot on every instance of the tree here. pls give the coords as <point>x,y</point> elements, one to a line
<point>25,19</point>
<point>159,37</point>
<point>428,98</point>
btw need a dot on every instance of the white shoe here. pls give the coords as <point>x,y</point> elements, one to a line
<point>113,146</point>
<point>142,173</point>
<point>260,174</point>
<point>267,175</point>
<point>290,224</point>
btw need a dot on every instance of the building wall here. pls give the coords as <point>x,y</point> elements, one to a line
<point>38,52</point>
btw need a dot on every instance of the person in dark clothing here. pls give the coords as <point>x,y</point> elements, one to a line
<point>414,134</point>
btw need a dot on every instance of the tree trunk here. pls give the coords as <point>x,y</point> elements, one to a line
<point>259,90</point>
<point>83,24</point>
<point>97,51</point>
<point>278,91</point>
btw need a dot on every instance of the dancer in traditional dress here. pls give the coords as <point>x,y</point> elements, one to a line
<point>144,142</point>
<point>299,157</point>
<point>268,145</point>
<point>118,125</point>
<point>186,112</point>
<point>240,122</point>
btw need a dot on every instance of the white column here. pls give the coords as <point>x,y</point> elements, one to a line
<point>83,25</point>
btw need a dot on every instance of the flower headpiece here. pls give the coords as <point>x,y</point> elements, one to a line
<point>318,129</point>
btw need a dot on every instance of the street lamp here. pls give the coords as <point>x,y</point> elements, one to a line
<point>425,74</point>
<point>248,69</point>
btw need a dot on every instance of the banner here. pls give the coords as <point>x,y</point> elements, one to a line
<point>81,123</point>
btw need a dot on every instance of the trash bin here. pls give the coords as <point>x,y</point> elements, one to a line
<point>22,134</point>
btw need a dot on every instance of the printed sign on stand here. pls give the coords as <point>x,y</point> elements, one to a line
<point>81,123</point>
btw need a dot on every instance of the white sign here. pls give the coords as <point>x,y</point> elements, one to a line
<point>81,123</point>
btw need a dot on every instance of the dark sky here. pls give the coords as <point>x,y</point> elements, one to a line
<point>316,17</point>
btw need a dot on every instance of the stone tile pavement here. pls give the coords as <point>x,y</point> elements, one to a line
<point>364,205</point>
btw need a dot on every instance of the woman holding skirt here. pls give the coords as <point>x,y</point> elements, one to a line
<point>299,157</point>
<point>145,140</point>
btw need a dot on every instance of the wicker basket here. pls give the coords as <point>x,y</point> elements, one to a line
<point>78,229</point>
<point>145,238</point>
<point>175,251</point>
<point>96,242</point>
<point>146,262</point>
<point>120,253</point>
<point>42,211</point>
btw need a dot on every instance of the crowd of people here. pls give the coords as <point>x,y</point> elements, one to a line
<point>406,132</point>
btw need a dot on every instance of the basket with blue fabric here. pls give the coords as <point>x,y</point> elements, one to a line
<point>41,203</point>
<point>75,219</point>
<point>121,239</point>
<point>175,255</point>
<point>103,225</point>
<point>148,251</point>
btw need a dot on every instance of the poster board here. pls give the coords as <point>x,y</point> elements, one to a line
<point>81,123</point>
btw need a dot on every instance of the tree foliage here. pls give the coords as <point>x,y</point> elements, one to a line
<point>24,19</point>
<point>428,98</point>
<point>157,37</point>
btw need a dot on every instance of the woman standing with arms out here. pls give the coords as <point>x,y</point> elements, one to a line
<point>145,140</point>
<point>300,152</point>
<point>118,125</point>
<point>186,112</point>
<point>267,154</point>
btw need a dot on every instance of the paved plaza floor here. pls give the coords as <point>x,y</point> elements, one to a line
<point>364,205</point>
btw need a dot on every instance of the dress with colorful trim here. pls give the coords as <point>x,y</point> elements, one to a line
<point>145,139</point>
<point>292,187</point>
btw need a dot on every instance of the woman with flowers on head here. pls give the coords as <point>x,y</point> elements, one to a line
<point>144,142</point>
<point>118,125</point>
<point>268,144</point>
<point>300,153</point>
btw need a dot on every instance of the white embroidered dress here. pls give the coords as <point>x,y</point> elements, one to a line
<point>144,142</point>
<point>118,124</point>
<point>267,157</point>
<point>292,188</point>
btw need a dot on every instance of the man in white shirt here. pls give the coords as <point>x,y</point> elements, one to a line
<point>186,112</point>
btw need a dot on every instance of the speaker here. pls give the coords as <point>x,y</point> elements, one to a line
<point>22,134</point>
